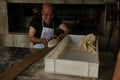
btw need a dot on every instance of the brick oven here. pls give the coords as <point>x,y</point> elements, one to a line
<point>83,17</point>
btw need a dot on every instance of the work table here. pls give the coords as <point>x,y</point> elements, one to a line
<point>11,55</point>
<point>29,65</point>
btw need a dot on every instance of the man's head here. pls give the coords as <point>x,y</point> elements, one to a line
<point>47,12</point>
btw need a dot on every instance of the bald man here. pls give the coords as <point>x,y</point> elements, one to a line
<point>42,26</point>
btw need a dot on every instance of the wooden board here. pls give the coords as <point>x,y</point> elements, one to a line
<point>66,58</point>
<point>12,72</point>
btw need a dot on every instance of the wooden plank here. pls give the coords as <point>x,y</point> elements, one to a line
<point>17,1</point>
<point>75,1</point>
<point>12,72</point>
<point>93,1</point>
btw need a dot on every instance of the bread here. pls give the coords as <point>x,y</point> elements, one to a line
<point>52,43</point>
<point>88,43</point>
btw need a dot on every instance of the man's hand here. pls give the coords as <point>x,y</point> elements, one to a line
<point>59,37</point>
<point>44,41</point>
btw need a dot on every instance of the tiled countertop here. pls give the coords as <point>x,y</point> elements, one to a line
<point>11,55</point>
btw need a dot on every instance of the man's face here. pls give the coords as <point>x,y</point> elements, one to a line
<point>47,14</point>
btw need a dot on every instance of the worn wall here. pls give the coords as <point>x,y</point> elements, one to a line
<point>3,21</point>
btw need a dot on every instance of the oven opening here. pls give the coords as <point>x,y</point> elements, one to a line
<point>82,18</point>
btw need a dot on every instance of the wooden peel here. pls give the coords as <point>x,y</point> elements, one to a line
<point>12,72</point>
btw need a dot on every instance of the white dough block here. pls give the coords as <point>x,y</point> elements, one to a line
<point>71,67</point>
<point>93,70</point>
<point>66,58</point>
<point>49,65</point>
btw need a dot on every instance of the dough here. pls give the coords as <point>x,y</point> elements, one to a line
<point>52,43</point>
<point>88,43</point>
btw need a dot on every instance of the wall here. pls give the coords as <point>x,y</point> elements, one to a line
<point>3,21</point>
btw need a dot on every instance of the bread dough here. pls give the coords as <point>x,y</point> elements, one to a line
<point>52,43</point>
<point>88,43</point>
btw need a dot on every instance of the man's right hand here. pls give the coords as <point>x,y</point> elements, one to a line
<point>44,41</point>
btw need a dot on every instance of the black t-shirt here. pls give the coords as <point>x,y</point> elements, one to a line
<point>36,23</point>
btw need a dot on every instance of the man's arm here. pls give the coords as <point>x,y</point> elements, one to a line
<point>65,28</point>
<point>116,75</point>
<point>34,39</point>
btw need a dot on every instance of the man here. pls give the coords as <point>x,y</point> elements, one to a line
<point>42,26</point>
<point>116,75</point>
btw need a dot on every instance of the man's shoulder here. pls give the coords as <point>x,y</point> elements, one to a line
<point>36,21</point>
<point>38,17</point>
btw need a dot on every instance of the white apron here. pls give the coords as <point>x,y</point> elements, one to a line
<point>47,33</point>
